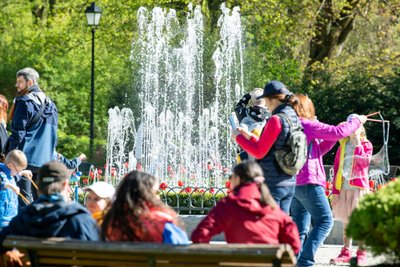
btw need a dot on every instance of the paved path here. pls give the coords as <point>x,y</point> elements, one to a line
<point>327,252</point>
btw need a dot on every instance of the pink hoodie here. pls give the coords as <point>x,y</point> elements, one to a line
<point>321,138</point>
<point>359,166</point>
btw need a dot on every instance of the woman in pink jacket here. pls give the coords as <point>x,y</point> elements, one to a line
<point>310,203</point>
<point>250,214</point>
<point>350,183</point>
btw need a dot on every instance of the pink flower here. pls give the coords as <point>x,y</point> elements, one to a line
<point>180,183</point>
<point>212,191</point>
<point>188,189</point>
<point>139,167</point>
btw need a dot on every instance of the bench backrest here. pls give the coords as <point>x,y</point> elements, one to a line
<point>63,252</point>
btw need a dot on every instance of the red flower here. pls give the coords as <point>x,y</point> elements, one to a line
<point>100,171</point>
<point>180,183</point>
<point>379,186</point>
<point>212,191</point>
<point>209,166</point>
<point>188,189</point>
<point>327,193</point>
<point>394,179</point>
<point>85,181</point>
<point>91,174</point>
<point>126,165</point>
<point>202,191</point>
<point>228,184</point>
<point>139,167</point>
<point>163,186</point>
<point>328,185</point>
<point>371,184</point>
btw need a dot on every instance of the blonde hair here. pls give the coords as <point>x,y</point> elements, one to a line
<point>253,100</point>
<point>18,158</point>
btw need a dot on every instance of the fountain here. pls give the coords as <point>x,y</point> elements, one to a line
<point>180,138</point>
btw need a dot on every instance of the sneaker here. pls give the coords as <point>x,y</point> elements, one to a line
<point>361,257</point>
<point>344,256</point>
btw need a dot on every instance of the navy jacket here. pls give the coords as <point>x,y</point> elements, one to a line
<point>273,173</point>
<point>37,140</point>
<point>59,219</point>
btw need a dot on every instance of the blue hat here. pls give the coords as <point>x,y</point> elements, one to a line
<point>274,88</point>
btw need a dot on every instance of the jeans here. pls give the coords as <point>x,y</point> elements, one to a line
<point>310,205</point>
<point>283,196</point>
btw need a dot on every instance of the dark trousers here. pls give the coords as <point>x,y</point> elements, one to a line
<point>26,188</point>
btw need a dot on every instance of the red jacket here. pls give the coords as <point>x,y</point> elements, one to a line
<point>243,220</point>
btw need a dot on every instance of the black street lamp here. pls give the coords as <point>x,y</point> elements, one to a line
<point>93,14</point>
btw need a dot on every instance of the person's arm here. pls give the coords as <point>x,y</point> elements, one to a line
<point>319,130</point>
<point>363,154</point>
<point>18,125</point>
<point>210,226</point>
<point>70,163</point>
<point>326,146</point>
<point>260,148</point>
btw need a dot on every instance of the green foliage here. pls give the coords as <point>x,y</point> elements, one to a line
<point>376,221</point>
<point>191,201</point>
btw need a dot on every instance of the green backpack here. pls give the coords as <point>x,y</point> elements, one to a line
<point>293,155</point>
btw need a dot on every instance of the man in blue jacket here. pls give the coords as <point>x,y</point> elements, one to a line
<point>53,214</point>
<point>34,125</point>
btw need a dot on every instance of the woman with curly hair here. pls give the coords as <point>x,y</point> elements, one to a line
<point>138,214</point>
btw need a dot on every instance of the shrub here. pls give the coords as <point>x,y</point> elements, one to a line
<point>377,222</point>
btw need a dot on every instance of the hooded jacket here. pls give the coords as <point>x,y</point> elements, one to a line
<point>359,166</point>
<point>8,198</point>
<point>36,139</point>
<point>58,219</point>
<point>321,138</point>
<point>243,219</point>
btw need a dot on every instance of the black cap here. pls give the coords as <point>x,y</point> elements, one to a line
<point>274,88</point>
<point>53,171</point>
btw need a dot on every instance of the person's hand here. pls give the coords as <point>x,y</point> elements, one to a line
<point>334,200</point>
<point>26,173</point>
<point>362,118</point>
<point>13,188</point>
<point>234,133</point>
<point>13,258</point>
<point>82,157</point>
<point>244,132</point>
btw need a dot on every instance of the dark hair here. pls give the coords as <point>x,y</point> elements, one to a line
<point>290,98</point>
<point>304,107</point>
<point>133,199</point>
<point>250,171</point>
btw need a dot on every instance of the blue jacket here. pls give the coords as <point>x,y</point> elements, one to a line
<point>70,163</point>
<point>58,219</point>
<point>8,198</point>
<point>37,141</point>
<point>274,176</point>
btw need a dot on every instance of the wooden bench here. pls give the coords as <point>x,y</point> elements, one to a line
<point>63,252</point>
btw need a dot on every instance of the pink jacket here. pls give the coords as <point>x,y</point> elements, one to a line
<point>359,166</point>
<point>321,138</point>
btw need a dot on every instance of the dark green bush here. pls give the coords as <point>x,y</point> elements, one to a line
<point>377,221</point>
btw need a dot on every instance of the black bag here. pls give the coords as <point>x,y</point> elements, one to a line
<point>292,157</point>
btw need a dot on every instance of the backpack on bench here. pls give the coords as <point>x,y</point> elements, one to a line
<point>293,155</point>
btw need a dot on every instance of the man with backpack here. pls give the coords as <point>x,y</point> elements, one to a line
<point>33,126</point>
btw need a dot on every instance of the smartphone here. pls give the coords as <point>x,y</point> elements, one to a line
<point>232,121</point>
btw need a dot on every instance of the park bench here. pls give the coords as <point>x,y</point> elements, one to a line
<point>64,252</point>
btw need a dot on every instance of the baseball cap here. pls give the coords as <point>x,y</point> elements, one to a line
<point>102,189</point>
<point>53,171</point>
<point>274,88</point>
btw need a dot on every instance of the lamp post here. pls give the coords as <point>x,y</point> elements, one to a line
<point>93,14</point>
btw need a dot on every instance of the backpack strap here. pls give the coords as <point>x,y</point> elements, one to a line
<point>291,128</point>
<point>39,114</point>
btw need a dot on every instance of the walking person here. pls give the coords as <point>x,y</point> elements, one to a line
<point>279,100</point>
<point>33,127</point>
<point>310,204</point>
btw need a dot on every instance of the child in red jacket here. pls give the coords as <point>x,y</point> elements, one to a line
<point>250,214</point>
